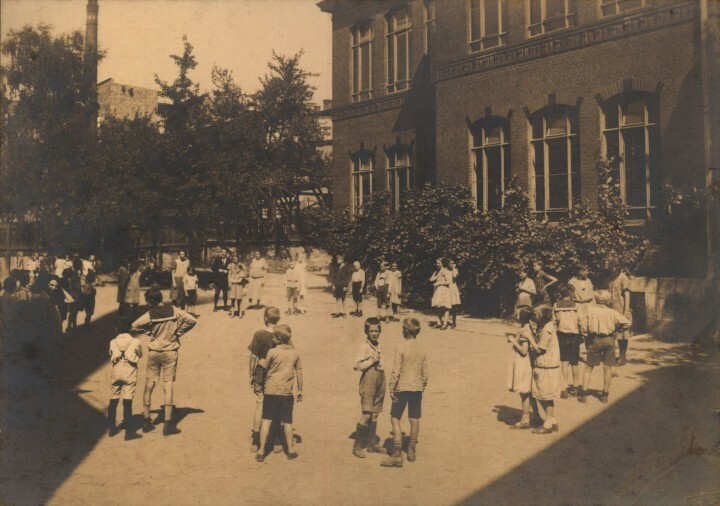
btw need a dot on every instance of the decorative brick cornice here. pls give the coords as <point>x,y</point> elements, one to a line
<point>569,40</point>
<point>369,107</point>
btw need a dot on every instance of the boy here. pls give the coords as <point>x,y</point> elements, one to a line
<point>407,382</point>
<point>165,324</point>
<point>598,325</point>
<point>261,343</point>
<point>283,367</point>
<point>358,288</point>
<point>190,285</point>
<point>125,353</point>
<point>620,293</point>
<point>372,389</point>
<point>583,292</point>
<point>292,284</point>
<point>340,278</point>
<point>395,290</point>
<point>382,288</point>
<point>565,316</point>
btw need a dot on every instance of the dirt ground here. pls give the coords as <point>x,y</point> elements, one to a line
<point>652,444</point>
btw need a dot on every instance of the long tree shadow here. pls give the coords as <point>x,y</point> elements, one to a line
<point>47,428</point>
<point>622,455</point>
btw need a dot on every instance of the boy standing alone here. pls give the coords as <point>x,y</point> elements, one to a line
<point>407,382</point>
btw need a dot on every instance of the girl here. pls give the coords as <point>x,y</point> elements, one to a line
<point>236,276</point>
<point>132,295</point>
<point>358,288</point>
<point>454,292</point>
<point>542,281</point>
<point>301,275</point>
<point>520,370</point>
<point>395,289</point>
<point>57,297</point>
<point>546,377</point>
<point>88,295</point>
<point>524,290</point>
<point>190,284</point>
<point>73,287</point>
<point>441,280</point>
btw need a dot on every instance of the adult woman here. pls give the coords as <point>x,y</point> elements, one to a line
<point>441,299</point>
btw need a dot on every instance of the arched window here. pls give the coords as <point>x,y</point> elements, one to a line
<point>398,50</point>
<point>361,61</point>
<point>491,160</point>
<point>400,172</point>
<point>555,151</point>
<point>362,176</point>
<point>631,136</point>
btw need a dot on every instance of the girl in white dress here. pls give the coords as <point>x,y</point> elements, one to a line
<point>520,370</point>
<point>454,292</point>
<point>441,280</point>
<point>301,276</point>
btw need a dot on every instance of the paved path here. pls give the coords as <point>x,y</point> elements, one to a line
<point>603,454</point>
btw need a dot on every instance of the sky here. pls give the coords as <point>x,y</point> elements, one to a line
<point>138,36</point>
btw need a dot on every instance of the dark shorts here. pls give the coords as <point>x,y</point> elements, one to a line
<point>357,294</point>
<point>278,408</point>
<point>292,292</point>
<point>383,297</point>
<point>413,400</point>
<point>569,347</point>
<point>372,390</point>
<point>191,298</point>
<point>339,291</point>
<point>601,350</point>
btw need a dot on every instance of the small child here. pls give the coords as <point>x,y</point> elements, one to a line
<point>236,278</point>
<point>408,380</point>
<point>190,284</point>
<point>283,367</point>
<point>395,290</point>
<point>125,353</point>
<point>546,378</point>
<point>293,285</point>
<point>358,288</point>
<point>382,287</point>
<point>372,389</point>
<point>520,370</point>
<point>565,317</point>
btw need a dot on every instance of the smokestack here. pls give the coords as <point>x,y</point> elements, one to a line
<point>91,57</point>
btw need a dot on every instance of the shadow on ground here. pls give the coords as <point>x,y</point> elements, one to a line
<point>653,446</point>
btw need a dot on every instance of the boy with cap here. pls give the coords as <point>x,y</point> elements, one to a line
<point>407,382</point>
<point>283,367</point>
<point>125,353</point>
<point>372,389</point>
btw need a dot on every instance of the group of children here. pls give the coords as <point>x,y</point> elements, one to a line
<point>446,294</point>
<point>546,352</point>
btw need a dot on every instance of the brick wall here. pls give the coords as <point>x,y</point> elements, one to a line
<point>125,101</point>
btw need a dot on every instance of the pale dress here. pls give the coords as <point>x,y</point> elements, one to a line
<point>132,295</point>
<point>395,286</point>
<point>520,369</point>
<point>547,379</point>
<point>441,295</point>
<point>454,290</point>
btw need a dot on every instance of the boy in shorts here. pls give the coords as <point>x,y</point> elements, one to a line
<point>565,316</point>
<point>407,382</point>
<point>125,353</point>
<point>262,341</point>
<point>382,289</point>
<point>165,324</point>
<point>283,367</point>
<point>292,284</point>
<point>372,389</point>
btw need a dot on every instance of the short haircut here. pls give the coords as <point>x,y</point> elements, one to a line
<point>272,314</point>
<point>124,324</point>
<point>565,290</point>
<point>371,322</point>
<point>282,333</point>
<point>525,315</point>
<point>544,315</point>
<point>581,267</point>
<point>384,263</point>
<point>153,296</point>
<point>22,277</point>
<point>10,285</point>
<point>603,297</point>
<point>412,326</point>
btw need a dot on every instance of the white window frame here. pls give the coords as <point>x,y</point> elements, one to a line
<point>570,136</point>
<point>617,7</point>
<point>360,35</point>
<point>362,163</point>
<point>396,154</point>
<point>429,7</point>
<point>569,18</point>
<point>479,152</point>
<point>647,126</point>
<point>393,34</point>
<point>481,42</point>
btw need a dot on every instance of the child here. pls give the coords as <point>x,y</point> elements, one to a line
<point>261,343</point>
<point>520,371</point>
<point>372,389</point>
<point>125,353</point>
<point>525,291</point>
<point>382,289</point>
<point>441,280</point>
<point>236,277</point>
<point>190,285</point>
<point>283,367</point>
<point>395,290</point>
<point>408,380</point>
<point>292,284</point>
<point>132,295</point>
<point>583,292</point>
<point>358,288</point>
<point>546,379</point>
<point>565,317</point>
<point>301,274</point>
<point>620,296</point>
<point>165,324</point>
<point>455,300</point>
<point>542,281</point>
